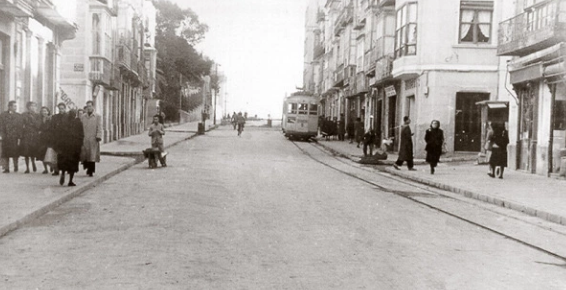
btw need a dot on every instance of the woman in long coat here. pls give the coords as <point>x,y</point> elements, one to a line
<point>11,132</point>
<point>44,135</point>
<point>498,142</point>
<point>30,137</point>
<point>68,144</point>
<point>434,138</point>
<point>405,146</point>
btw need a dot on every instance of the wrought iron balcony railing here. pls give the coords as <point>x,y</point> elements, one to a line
<point>541,26</point>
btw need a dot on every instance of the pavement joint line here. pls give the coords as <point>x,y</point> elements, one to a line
<point>424,203</point>
<point>79,190</point>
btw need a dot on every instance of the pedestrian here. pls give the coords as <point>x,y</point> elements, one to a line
<point>30,144</point>
<point>68,144</point>
<point>351,130</point>
<point>488,145</point>
<point>58,122</point>
<point>44,137</point>
<point>234,120</point>
<point>499,141</point>
<point>341,128</point>
<point>369,141</point>
<point>359,131</point>
<point>241,120</point>
<point>406,146</point>
<point>156,132</point>
<point>434,138</point>
<point>92,129</point>
<point>11,127</point>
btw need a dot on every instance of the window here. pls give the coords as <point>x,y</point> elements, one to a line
<point>560,115</point>
<point>313,109</point>
<point>292,109</point>
<point>96,37</point>
<point>406,31</point>
<point>541,16</point>
<point>303,109</point>
<point>475,21</point>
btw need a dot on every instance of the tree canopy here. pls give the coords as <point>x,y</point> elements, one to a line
<point>177,31</point>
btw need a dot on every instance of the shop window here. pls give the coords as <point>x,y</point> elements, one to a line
<point>560,115</point>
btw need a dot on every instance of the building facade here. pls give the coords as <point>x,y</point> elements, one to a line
<point>32,34</point>
<point>111,61</point>
<point>534,35</point>
<point>426,59</point>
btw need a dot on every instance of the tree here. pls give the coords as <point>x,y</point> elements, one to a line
<point>178,30</point>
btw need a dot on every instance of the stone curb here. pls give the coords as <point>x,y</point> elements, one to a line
<point>63,199</point>
<point>80,189</point>
<point>485,198</point>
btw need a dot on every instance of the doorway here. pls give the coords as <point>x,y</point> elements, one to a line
<point>528,128</point>
<point>467,132</point>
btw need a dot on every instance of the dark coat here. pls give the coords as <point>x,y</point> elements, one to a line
<point>350,129</point>
<point>11,127</point>
<point>359,130</point>
<point>499,142</point>
<point>434,139</point>
<point>30,138</point>
<point>341,127</point>
<point>69,142</point>
<point>406,146</point>
<point>44,137</point>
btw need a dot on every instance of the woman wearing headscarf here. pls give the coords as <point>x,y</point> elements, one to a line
<point>434,138</point>
<point>69,141</point>
<point>498,143</point>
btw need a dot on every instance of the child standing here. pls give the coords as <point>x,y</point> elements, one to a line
<point>156,132</point>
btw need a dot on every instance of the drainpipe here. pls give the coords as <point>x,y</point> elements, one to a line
<point>551,135</point>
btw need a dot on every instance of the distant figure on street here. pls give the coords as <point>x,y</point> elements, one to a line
<point>92,128</point>
<point>351,131</point>
<point>234,120</point>
<point>156,132</point>
<point>57,124</point>
<point>406,146</point>
<point>11,127</point>
<point>30,144</point>
<point>369,141</point>
<point>241,122</point>
<point>359,131</point>
<point>341,129</point>
<point>69,141</point>
<point>499,141</point>
<point>488,145</point>
<point>434,138</point>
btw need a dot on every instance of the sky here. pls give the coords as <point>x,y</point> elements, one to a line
<point>259,46</point>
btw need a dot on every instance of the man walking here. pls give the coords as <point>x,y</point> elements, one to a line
<point>406,146</point>
<point>92,127</point>
<point>11,127</point>
<point>58,125</point>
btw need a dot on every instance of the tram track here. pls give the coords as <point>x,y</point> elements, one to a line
<point>534,233</point>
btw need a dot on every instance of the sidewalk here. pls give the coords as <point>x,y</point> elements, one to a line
<point>25,197</point>
<point>528,193</point>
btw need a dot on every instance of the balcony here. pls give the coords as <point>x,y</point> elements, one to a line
<point>349,74</point>
<point>318,51</point>
<point>384,68</point>
<point>361,83</point>
<point>339,77</point>
<point>369,62</point>
<point>100,70</point>
<point>345,18</point>
<point>541,26</point>
<point>115,79</point>
<point>17,8</point>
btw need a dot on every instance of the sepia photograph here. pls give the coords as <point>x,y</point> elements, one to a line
<point>283,144</point>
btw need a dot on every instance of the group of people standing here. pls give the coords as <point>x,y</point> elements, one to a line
<point>354,130</point>
<point>496,146</point>
<point>61,141</point>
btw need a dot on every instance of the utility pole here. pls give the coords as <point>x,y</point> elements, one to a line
<point>180,97</point>
<point>216,88</point>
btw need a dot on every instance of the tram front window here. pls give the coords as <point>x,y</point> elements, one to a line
<point>292,109</point>
<point>303,109</point>
<point>313,109</point>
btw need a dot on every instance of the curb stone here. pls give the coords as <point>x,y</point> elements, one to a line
<point>487,199</point>
<point>80,189</point>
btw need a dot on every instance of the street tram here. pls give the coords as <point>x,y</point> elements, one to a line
<point>300,116</point>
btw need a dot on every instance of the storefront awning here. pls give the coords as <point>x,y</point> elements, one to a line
<point>494,104</point>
